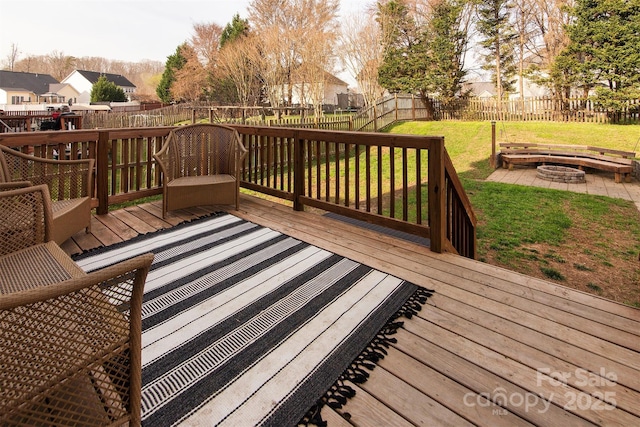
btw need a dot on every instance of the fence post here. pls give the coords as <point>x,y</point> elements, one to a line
<point>375,118</point>
<point>396,107</point>
<point>298,174</point>
<point>492,162</point>
<point>413,107</point>
<point>102,173</point>
<point>193,115</point>
<point>437,199</point>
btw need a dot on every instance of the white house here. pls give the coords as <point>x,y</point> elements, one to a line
<point>329,87</point>
<point>83,82</point>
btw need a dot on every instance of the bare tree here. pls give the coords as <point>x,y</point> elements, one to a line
<point>60,65</point>
<point>361,47</point>
<point>528,32</point>
<point>316,57</point>
<point>551,17</point>
<point>12,57</point>
<point>270,71</point>
<point>191,79</point>
<point>288,26</point>
<point>206,43</point>
<point>238,60</point>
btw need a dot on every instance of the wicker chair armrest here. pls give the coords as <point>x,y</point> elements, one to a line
<point>4,186</point>
<point>85,332</point>
<point>105,278</point>
<point>25,218</point>
<point>239,156</point>
<point>162,159</point>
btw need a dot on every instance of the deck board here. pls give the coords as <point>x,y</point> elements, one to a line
<point>485,331</point>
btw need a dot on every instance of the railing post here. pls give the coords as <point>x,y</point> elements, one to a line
<point>102,173</point>
<point>298,174</point>
<point>437,209</point>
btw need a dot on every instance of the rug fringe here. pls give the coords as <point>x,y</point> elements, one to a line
<point>358,372</point>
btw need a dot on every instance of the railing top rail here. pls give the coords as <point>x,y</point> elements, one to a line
<point>361,138</point>
<point>18,139</point>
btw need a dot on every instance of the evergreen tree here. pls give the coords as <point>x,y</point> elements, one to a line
<point>174,62</point>
<point>106,91</point>
<point>404,50</point>
<point>427,58</point>
<point>603,51</point>
<point>448,45</point>
<point>236,28</point>
<point>499,38</point>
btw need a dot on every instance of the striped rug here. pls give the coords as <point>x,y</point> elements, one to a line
<point>243,325</point>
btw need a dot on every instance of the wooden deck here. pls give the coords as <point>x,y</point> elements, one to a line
<point>486,333</point>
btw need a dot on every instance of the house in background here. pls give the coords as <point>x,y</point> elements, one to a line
<point>485,90</point>
<point>83,82</point>
<point>18,88</point>
<point>481,90</point>
<point>65,91</point>
<point>329,87</point>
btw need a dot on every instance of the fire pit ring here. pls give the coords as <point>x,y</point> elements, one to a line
<point>560,174</point>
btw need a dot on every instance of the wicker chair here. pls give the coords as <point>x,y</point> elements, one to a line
<point>70,184</point>
<point>201,166</point>
<point>71,341</point>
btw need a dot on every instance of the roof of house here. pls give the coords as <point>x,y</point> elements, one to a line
<point>479,88</point>
<point>327,78</point>
<point>117,79</point>
<point>37,83</point>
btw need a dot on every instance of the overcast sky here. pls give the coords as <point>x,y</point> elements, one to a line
<point>130,31</point>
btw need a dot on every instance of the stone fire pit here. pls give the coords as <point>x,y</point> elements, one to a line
<point>560,174</point>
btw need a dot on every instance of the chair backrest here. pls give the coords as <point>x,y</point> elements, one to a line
<point>201,149</point>
<point>25,218</point>
<point>66,179</point>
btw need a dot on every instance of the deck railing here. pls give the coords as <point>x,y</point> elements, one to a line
<point>403,182</point>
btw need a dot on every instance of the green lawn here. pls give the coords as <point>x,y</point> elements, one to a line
<point>583,241</point>
<point>469,143</point>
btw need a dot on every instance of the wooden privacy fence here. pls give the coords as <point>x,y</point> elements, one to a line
<point>403,182</point>
<point>533,109</point>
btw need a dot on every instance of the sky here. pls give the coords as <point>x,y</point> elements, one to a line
<point>130,31</point>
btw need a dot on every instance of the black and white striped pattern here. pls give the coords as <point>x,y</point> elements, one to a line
<point>243,325</point>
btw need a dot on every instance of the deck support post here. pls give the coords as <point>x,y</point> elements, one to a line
<point>298,174</point>
<point>437,199</point>
<point>102,173</point>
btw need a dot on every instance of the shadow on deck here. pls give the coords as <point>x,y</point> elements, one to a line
<point>492,347</point>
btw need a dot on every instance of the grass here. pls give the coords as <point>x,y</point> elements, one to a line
<point>584,241</point>
<point>469,143</point>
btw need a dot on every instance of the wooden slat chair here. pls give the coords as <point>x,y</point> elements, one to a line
<point>200,166</point>
<point>71,341</point>
<point>70,185</point>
